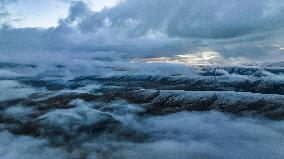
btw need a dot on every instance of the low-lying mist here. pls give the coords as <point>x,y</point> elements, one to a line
<point>196,135</point>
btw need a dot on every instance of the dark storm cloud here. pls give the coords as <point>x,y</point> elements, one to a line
<point>235,28</point>
<point>185,18</point>
<point>194,18</point>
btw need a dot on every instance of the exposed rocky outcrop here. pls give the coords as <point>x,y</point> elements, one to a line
<point>265,85</point>
<point>255,71</point>
<point>64,116</point>
<point>92,106</point>
<point>160,102</point>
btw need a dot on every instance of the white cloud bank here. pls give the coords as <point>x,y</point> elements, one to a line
<point>208,135</point>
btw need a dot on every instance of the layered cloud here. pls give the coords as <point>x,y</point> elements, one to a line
<point>183,18</point>
<point>246,29</point>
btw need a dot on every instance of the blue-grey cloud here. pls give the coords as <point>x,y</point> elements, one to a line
<point>235,28</point>
<point>190,18</point>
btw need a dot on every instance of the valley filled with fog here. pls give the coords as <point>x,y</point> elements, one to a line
<point>132,79</point>
<point>100,108</point>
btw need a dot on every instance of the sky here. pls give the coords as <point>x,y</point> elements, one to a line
<point>42,13</point>
<point>250,31</point>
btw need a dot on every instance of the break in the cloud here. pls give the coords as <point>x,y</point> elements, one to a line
<point>246,29</point>
<point>5,15</point>
<point>41,13</point>
<point>97,5</point>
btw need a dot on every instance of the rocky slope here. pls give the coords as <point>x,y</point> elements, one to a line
<point>79,115</point>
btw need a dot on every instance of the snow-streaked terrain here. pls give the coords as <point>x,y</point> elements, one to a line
<point>97,108</point>
<point>141,79</point>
